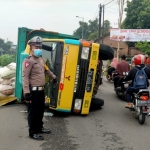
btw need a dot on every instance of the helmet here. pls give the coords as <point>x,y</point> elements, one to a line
<point>36,41</point>
<point>148,61</point>
<point>139,59</point>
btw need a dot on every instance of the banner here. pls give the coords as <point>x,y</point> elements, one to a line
<point>130,35</point>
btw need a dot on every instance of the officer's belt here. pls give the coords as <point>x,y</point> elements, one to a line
<point>37,88</point>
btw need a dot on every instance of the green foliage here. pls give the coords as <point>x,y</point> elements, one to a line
<point>90,29</point>
<point>137,15</point>
<point>144,47</point>
<point>107,26</point>
<point>5,45</point>
<point>7,59</point>
<point>78,32</point>
<point>93,36</point>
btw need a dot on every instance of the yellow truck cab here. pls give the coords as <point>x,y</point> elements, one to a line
<point>73,61</point>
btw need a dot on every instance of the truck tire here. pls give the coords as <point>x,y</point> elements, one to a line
<point>106,52</point>
<point>97,101</point>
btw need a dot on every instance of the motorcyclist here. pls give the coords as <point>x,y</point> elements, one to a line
<point>123,66</point>
<point>139,62</point>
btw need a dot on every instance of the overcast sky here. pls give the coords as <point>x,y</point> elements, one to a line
<point>52,15</point>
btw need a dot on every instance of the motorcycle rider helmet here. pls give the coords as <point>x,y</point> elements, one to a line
<point>139,59</point>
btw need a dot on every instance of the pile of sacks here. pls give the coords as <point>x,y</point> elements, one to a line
<point>7,81</point>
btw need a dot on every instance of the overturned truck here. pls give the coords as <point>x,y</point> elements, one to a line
<point>73,61</point>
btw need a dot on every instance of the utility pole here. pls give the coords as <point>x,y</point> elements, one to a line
<point>103,25</point>
<point>99,27</point>
<point>121,6</point>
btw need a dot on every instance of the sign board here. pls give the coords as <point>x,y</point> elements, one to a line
<point>130,35</point>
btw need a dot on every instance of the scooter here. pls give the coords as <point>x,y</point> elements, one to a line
<point>109,74</point>
<point>141,102</point>
<point>122,87</point>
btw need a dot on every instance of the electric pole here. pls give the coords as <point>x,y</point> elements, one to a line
<point>99,27</point>
<point>121,6</point>
<point>103,25</point>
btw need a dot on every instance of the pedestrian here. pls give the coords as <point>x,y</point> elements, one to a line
<point>33,76</point>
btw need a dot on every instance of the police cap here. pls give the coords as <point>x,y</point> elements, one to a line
<point>36,41</point>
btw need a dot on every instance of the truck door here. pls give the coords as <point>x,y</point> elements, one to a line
<point>52,54</point>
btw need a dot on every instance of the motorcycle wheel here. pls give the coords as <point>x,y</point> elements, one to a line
<point>118,94</point>
<point>141,118</point>
<point>107,78</point>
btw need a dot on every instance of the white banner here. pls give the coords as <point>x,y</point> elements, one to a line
<point>131,35</point>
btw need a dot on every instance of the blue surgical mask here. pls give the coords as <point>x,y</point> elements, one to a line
<point>37,52</point>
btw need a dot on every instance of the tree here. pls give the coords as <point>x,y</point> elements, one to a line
<point>144,47</point>
<point>137,15</point>
<point>90,29</point>
<point>7,59</point>
<point>107,26</point>
<point>78,32</point>
<point>5,45</point>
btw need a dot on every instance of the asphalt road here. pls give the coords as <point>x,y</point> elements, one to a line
<point>111,127</point>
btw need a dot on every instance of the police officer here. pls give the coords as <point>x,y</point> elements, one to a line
<point>33,87</point>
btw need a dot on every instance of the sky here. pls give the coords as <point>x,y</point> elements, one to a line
<point>51,15</point>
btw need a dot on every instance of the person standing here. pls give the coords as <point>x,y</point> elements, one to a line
<point>33,75</point>
<point>123,66</point>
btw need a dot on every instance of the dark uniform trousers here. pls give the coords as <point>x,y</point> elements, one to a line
<point>36,111</point>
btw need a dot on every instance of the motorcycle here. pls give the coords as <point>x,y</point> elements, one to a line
<point>140,105</point>
<point>109,74</point>
<point>122,87</point>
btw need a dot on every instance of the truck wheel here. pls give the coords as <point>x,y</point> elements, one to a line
<point>106,52</point>
<point>97,102</point>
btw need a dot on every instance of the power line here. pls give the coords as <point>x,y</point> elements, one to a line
<point>111,5</point>
<point>109,2</point>
<point>96,13</point>
<point>112,12</point>
<point>103,2</point>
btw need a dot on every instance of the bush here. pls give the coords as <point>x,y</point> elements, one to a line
<point>7,59</point>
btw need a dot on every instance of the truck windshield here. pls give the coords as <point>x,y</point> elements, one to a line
<point>49,54</point>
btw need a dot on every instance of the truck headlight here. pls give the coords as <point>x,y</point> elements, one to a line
<point>77,105</point>
<point>85,53</point>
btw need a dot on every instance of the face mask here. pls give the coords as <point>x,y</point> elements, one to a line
<point>37,52</point>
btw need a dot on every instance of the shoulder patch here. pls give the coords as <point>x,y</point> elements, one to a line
<point>27,64</point>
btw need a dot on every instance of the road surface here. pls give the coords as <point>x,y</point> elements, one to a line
<point>111,127</point>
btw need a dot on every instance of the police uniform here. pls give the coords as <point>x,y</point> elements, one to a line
<point>33,75</point>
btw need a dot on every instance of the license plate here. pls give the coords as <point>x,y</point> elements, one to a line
<point>143,103</point>
<point>126,85</point>
<point>89,80</point>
